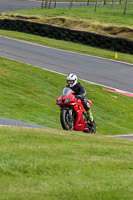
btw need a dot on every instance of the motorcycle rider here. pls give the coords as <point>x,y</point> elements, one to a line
<point>80,93</point>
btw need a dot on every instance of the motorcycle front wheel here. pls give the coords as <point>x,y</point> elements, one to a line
<point>66,119</point>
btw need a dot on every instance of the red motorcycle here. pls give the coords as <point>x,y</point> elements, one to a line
<point>73,115</point>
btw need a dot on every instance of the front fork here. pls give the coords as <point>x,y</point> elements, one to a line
<point>70,114</point>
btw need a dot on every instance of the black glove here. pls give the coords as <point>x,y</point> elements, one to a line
<point>78,96</point>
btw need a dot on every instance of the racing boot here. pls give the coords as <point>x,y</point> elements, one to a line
<point>91,121</point>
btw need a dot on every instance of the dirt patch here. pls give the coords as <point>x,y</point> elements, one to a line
<point>128,35</point>
<point>16,16</point>
<point>26,17</point>
<point>115,30</point>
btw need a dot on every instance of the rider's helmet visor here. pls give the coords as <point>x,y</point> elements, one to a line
<point>70,81</point>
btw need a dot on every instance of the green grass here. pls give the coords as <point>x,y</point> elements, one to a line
<point>112,14</point>
<point>46,164</point>
<point>29,94</point>
<point>70,46</point>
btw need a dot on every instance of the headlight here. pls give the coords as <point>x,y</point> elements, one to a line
<point>67,100</point>
<point>58,102</point>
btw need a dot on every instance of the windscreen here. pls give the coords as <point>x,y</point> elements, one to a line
<point>66,91</point>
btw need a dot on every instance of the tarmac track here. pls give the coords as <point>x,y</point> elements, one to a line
<point>124,136</point>
<point>10,122</point>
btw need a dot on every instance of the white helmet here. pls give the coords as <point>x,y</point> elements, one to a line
<point>71,80</point>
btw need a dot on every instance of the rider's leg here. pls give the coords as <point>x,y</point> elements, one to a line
<point>88,110</point>
<point>90,116</point>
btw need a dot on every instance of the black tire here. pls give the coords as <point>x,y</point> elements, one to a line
<point>92,129</point>
<point>66,123</point>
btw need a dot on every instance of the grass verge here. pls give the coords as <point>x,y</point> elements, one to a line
<point>46,164</point>
<point>29,94</point>
<point>70,46</point>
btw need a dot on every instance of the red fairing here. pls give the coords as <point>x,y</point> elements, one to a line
<point>62,100</point>
<point>79,123</point>
<point>69,100</point>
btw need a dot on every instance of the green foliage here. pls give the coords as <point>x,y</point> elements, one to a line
<point>50,164</point>
<point>29,94</point>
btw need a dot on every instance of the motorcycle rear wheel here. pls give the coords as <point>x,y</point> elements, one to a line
<point>92,129</point>
<point>66,122</point>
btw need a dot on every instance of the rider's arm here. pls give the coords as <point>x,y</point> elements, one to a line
<point>82,91</point>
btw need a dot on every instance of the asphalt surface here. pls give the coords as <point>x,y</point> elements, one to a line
<point>11,5</point>
<point>124,136</point>
<point>127,137</point>
<point>106,72</point>
<point>10,122</point>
